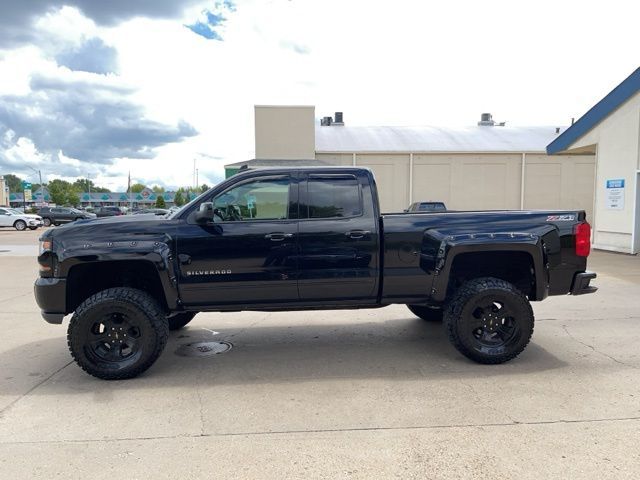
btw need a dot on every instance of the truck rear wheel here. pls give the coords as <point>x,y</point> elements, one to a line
<point>179,320</point>
<point>117,333</point>
<point>489,320</point>
<point>426,313</point>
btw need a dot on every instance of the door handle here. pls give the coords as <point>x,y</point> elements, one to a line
<point>278,237</point>
<point>357,233</point>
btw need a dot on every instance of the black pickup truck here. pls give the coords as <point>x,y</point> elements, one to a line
<point>296,239</point>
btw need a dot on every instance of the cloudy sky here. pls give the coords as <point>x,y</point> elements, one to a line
<point>101,88</point>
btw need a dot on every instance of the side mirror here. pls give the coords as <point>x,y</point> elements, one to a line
<point>205,213</point>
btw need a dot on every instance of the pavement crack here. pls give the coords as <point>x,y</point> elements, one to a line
<point>566,330</point>
<point>323,430</point>
<point>201,406</point>
<point>477,395</point>
<point>44,380</point>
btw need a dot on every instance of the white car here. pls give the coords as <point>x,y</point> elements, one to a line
<point>10,217</point>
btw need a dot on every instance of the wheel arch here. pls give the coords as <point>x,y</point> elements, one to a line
<point>86,279</point>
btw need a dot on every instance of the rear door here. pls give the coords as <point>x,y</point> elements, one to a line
<point>6,220</point>
<point>248,255</point>
<point>338,239</point>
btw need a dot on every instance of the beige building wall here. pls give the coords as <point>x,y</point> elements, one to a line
<point>566,182</point>
<point>4,198</point>
<point>285,132</point>
<point>479,181</point>
<point>616,141</point>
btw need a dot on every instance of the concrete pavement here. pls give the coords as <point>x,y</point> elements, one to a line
<point>347,394</point>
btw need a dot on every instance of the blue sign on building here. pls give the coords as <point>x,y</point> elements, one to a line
<point>618,183</point>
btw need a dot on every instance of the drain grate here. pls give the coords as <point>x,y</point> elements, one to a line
<point>203,349</point>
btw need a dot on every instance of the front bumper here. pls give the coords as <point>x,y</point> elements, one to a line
<point>581,283</point>
<point>51,297</point>
<point>34,223</point>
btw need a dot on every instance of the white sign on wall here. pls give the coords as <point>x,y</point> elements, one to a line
<point>615,194</point>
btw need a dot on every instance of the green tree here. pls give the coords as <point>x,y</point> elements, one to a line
<point>178,199</point>
<point>86,185</point>
<point>204,188</point>
<point>160,203</point>
<point>64,193</point>
<point>157,189</point>
<point>137,187</point>
<point>13,182</point>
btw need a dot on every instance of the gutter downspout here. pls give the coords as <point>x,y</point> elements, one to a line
<point>354,160</point>
<point>522,177</point>
<point>410,178</point>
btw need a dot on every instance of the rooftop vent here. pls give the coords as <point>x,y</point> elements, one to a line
<point>329,121</point>
<point>486,120</point>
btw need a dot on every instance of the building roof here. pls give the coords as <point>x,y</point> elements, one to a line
<point>474,139</point>
<point>601,110</point>
<point>258,162</point>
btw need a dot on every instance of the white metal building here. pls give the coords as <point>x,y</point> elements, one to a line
<point>486,166</point>
<point>610,131</point>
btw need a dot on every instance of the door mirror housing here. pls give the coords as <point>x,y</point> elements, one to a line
<point>205,213</point>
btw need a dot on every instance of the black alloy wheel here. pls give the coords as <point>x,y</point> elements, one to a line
<point>117,333</point>
<point>489,320</point>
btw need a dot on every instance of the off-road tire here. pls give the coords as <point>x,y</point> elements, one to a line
<point>136,307</point>
<point>46,222</point>
<point>20,225</point>
<point>464,311</point>
<point>426,313</point>
<point>179,320</point>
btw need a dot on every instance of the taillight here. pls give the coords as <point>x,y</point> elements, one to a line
<point>583,239</point>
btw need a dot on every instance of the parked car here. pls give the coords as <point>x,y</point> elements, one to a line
<point>426,207</point>
<point>108,211</point>
<point>58,215</point>
<point>305,238</point>
<point>10,217</point>
<point>154,211</point>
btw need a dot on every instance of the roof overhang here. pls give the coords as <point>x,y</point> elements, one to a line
<point>601,110</point>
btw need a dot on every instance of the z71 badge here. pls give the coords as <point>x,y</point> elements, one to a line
<point>561,218</point>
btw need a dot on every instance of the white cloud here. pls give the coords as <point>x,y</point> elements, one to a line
<point>393,63</point>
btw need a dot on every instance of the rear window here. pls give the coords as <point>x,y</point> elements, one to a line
<point>333,196</point>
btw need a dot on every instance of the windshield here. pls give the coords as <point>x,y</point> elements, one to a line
<point>14,211</point>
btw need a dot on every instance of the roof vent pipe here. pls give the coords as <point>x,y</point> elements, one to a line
<point>486,119</point>
<point>326,121</point>
<point>338,119</point>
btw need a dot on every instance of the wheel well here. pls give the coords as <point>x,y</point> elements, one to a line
<point>514,267</point>
<point>88,279</point>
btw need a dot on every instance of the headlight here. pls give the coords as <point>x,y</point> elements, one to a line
<point>45,246</point>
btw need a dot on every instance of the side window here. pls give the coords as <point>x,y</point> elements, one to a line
<point>334,196</point>
<point>57,210</point>
<point>260,199</point>
<point>3,212</point>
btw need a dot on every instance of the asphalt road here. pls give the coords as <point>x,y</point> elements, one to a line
<point>341,394</point>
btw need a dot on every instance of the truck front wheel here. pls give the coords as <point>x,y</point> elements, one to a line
<point>117,333</point>
<point>489,320</point>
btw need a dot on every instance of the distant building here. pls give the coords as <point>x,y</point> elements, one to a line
<point>4,192</point>
<point>485,166</point>
<point>144,199</point>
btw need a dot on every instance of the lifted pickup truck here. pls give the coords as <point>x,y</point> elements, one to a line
<point>296,239</point>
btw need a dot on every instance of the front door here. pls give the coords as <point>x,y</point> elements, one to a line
<point>339,246</point>
<point>247,255</point>
<point>6,219</point>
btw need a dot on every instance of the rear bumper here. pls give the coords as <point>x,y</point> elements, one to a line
<point>581,283</point>
<point>51,297</point>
